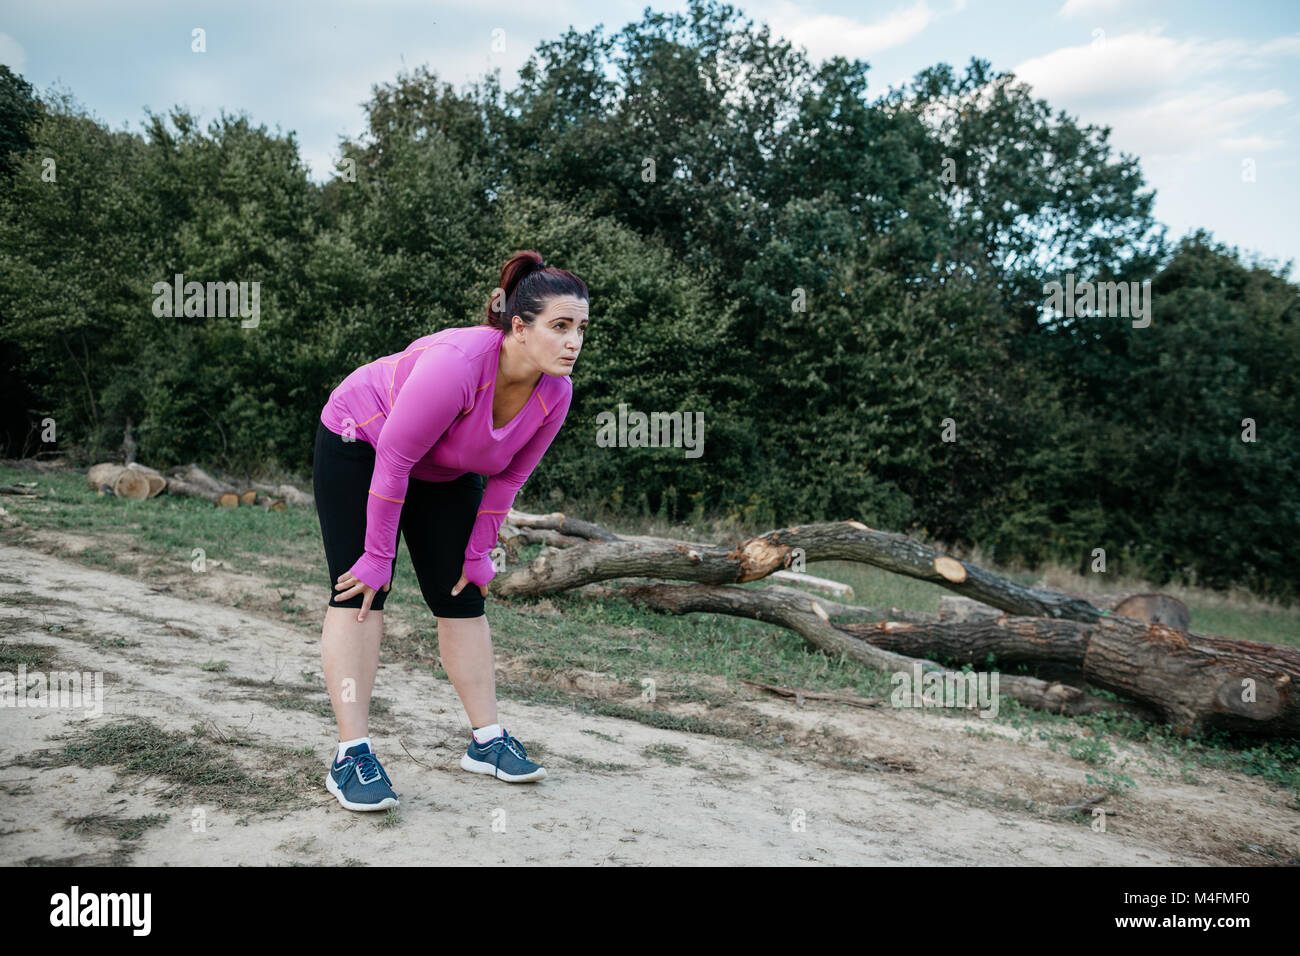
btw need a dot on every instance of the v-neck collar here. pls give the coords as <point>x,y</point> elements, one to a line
<point>492,386</point>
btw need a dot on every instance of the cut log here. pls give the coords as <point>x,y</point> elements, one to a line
<point>222,499</point>
<point>125,482</point>
<point>104,474</point>
<point>1157,609</point>
<point>196,476</point>
<point>131,484</point>
<point>193,481</point>
<point>155,478</point>
<point>289,493</point>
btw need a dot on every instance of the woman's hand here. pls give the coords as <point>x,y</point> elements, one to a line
<point>354,587</point>
<point>464,581</point>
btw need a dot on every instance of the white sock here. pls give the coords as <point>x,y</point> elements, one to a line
<point>490,732</point>
<point>345,744</point>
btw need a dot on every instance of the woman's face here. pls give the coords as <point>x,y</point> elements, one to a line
<point>555,337</point>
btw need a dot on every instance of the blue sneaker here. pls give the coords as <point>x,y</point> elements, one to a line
<point>503,757</point>
<point>359,781</point>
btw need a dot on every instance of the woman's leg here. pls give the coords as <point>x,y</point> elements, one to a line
<point>437,520</point>
<point>341,473</point>
<point>465,645</point>
<point>350,655</point>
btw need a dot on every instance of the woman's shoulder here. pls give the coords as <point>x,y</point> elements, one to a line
<point>473,340</point>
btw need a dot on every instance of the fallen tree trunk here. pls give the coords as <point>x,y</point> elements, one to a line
<point>1195,682</point>
<point>758,557</point>
<point>222,499</point>
<point>806,618</point>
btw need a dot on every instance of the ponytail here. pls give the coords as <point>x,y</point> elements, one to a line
<point>526,283</point>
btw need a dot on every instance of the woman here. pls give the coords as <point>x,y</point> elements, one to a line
<point>401,445</point>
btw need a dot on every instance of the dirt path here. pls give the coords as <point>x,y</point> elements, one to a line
<point>618,791</point>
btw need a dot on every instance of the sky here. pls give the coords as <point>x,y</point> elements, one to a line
<point>1204,94</point>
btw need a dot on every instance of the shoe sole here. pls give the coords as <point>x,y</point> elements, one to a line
<point>333,788</point>
<point>479,766</point>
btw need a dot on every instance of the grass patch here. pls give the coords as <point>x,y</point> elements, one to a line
<point>668,753</point>
<point>35,657</point>
<point>599,766</point>
<point>195,770</point>
<point>120,828</point>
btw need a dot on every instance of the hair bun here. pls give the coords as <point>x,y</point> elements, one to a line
<point>514,296</point>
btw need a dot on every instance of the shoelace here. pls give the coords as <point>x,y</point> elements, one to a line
<point>507,741</point>
<point>367,769</point>
<point>503,743</point>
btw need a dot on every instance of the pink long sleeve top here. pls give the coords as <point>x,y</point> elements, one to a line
<point>427,411</point>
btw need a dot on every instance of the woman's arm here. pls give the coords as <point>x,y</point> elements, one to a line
<point>500,490</point>
<point>437,390</point>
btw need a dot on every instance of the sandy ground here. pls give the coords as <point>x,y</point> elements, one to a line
<point>932,791</point>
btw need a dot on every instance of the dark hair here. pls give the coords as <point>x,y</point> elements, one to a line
<point>526,285</point>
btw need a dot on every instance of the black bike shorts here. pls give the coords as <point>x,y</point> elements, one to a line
<point>437,520</point>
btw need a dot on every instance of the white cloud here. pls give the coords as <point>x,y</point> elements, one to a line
<point>12,53</point>
<point>1123,66</point>
<point>1251,144</point>
<point>1078,8</point>
<point>1185,125</point>
<point>1164,99</point>
<point>1281,46</point>
<point>827,35</point>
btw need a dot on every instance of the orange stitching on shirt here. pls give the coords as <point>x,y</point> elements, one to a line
<point>466,411</point>
<point>371,419</point>
<point>394,365</point>
<point>400,501</point>
<point>486,512</point>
